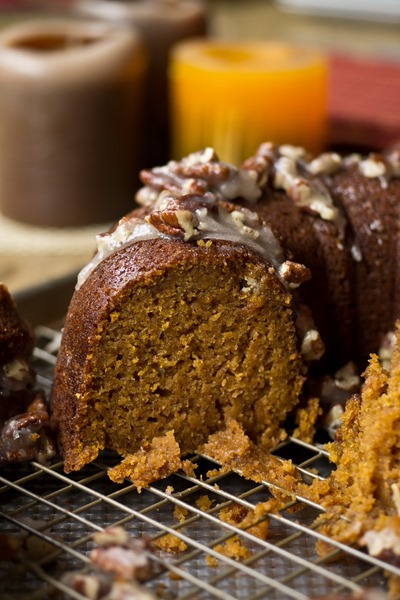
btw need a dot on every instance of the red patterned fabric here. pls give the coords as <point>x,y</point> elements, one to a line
<point>364,102</point>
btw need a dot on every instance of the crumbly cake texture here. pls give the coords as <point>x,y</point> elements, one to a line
<point>155,460</point>
<point>170,543</point>
<point>175,338</point>
<point>362,496</point>
<point>365,484</point>
<point>233,448</point>
<point>254,521</point>
<point>306,418</point>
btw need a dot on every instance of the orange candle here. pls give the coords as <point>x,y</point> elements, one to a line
<point>234,96</point>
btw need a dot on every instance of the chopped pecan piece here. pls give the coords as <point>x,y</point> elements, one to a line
<point>294,273</point>
<point>27,436</point>
<point>326,163</point>
<point>211,172</point>
<point>177,219</point>
<point>122,555</point>
<point>260,166</point>
<point>385,543</point>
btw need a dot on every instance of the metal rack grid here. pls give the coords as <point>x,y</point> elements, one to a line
<point>58,515</point>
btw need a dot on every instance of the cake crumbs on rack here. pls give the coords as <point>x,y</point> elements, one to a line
<point>235,451</point>
<point>170,543</point>
<point>361,496</point>
<point>204,503</point>
<point>306,420</point>
<point>180,513</point>
<point>120,563</point>
<point>155,460</point>
<point>234,548</point>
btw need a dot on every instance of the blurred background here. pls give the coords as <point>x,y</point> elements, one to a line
<point>321,73</point>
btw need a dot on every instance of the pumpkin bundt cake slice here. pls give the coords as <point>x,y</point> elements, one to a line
<point>176,329</point>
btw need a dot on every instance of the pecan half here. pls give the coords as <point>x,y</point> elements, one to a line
<point>124,556</point>
<point>213,173</point>
<point>27,436</point>
<point>178,218</point>
<point>294,273</point>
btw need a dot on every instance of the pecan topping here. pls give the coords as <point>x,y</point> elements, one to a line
<point>326,163</point>
<point>27,436</point>
<point>373,166</point>
<point>393,159</point>
<point>198,173</point>
<point>385,543</point>
<point>260,166</point>
<point>124,556</point>
<point>294,273</point>
<point>178,218</point>
<point>174,223</point>
<point>212,172</point>
<point>312,346</point>
<point>101,586</point>
<point>194,199</point>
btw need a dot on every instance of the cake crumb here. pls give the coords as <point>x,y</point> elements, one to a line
<point>306,419</point>
<point>205,243</point>
<point>180,513</point>
<point>174,576</point>
<point>215,472</point>
<point>188,467</point>
<point>170,543</point>
<point>233,448</point>
<point>204,503</point>
<point>212,561</point>
<point>253,521</point>
<point>155,460</point>
<point>233,548</point>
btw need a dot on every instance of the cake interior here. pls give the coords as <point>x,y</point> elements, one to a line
<point>215,341</point>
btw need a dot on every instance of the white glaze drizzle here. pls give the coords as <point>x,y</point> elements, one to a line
<point>239,226</point>
<point>291,173</point>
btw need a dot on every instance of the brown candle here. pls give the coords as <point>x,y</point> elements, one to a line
<point>70,117</point>
<point>161,23</point>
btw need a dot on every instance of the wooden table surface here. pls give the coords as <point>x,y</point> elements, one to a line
<point>31,256</point>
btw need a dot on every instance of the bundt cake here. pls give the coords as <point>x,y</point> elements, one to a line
<point>174,336</point>
<point>208,303</point>
<point>24,419</point>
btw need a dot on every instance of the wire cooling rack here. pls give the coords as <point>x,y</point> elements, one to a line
<point>58,515</point>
